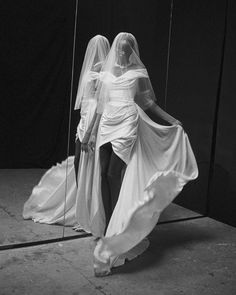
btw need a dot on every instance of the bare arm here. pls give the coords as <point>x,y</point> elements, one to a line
<point>145,98</point>
<point>89,138</point>
<point>84,143</point>
<point>93,135</point>
<point>155,112</point>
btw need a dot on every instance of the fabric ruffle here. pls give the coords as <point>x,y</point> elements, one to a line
<point>162,162</point>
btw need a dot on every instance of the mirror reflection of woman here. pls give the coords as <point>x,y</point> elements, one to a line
<point>140,166</point>
<point>47,201</point>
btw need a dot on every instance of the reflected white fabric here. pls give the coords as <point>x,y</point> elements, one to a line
<point>88,105</point>
<point>47,201</point>
<point>95,55</point>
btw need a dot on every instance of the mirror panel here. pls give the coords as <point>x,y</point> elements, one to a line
<point>36,70</point>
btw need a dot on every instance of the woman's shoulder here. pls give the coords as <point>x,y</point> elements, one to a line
<point>92,75</point>
<point>138,71</point>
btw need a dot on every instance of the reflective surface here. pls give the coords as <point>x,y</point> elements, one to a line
<point>36,72</point>
<point>15,187</point>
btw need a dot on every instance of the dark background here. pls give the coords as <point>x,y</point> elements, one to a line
<point>36,40</point>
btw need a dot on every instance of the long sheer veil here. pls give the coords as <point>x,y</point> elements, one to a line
<point>95,55</point>
<point>124,57</point>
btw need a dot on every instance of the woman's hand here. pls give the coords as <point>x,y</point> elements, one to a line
<point>84,143</point>
<point>91,143</point>
<point>176,123</point>
<point>84,147</point>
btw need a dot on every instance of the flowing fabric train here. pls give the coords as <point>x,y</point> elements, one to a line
<point>48,202</point>
<point>161,163</point>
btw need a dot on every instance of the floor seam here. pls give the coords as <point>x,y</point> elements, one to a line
<point>82,274</point>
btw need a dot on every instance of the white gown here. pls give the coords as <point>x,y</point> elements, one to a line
<point>159,162</point>
<point>48,203</point>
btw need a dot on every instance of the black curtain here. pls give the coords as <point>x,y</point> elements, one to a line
<point>35,65</point>
<point>222,187</point>
<point>195,65</point>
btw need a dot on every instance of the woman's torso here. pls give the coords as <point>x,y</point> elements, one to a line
<point>121,92</point>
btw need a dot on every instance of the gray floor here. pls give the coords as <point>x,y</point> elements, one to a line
<point>16,186</point>
<point>190,257</point>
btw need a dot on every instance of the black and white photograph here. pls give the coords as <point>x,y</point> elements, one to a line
<point>118,147</point>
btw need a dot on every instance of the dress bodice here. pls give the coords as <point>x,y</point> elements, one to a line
<point>123,92</point>
<point>123,88</point>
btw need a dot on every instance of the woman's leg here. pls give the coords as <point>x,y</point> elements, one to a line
<point>115,168</point>
<point>115,177</point>
<point>105,155</point>
<point>77,158</point>
<point>112,169</point>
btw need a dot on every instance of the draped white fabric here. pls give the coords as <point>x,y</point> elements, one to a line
<point>124,55</point>
<point>47,201</point>
<point>159,162</point>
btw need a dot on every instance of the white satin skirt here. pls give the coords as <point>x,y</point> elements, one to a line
<point>160,161</point>
<point>56,199</point>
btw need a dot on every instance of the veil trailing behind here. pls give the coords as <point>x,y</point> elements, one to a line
<point>159,159</point>
<point>49,201</point>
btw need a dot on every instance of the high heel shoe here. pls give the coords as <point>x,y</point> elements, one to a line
<point>78,228</point>
<point>101,269</point>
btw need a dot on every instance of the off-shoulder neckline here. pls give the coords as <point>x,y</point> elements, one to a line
<point>137,69</point>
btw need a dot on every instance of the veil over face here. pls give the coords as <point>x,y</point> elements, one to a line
<point>95,55</point>
<point>123,62</point>
<point>124,53</point>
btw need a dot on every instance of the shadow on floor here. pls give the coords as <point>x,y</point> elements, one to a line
<point>166,239</point>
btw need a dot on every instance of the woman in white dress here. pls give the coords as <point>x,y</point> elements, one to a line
<point>48,203</point>
<point>156,160</point>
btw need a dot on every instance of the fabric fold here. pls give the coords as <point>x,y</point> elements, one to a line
<point>162,162</point>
